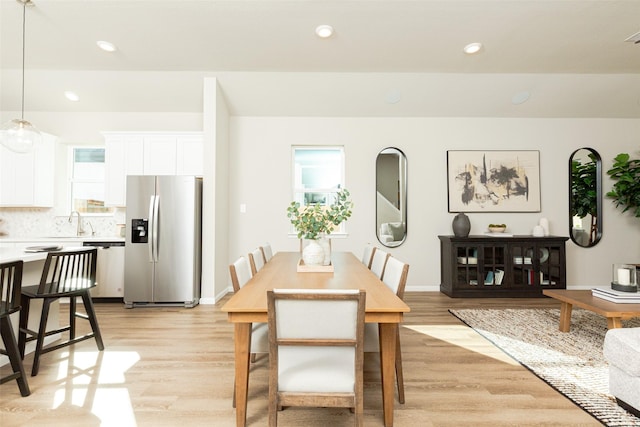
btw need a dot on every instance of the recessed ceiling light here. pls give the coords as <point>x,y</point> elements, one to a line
<point>71,96</point>
<point>520,98</point>
<point>324,31</point>
<point>393,96</point>
<point>472,48</point>
<point>106,46</point>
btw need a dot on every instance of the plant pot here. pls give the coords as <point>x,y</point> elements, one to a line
<point>312,252</point>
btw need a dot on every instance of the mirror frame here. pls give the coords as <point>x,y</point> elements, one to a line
<point>598,225</point>
<point>402,179</point>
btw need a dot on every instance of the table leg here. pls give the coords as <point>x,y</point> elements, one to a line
<point>565,316</point>
<point>242,340</point>
<point>388,333</point>
<point>614,322</point>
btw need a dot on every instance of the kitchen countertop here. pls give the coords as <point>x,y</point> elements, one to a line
<point>14,254</point>
<point>28,239</point>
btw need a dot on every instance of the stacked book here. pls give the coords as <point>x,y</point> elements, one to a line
<point>616,296</point>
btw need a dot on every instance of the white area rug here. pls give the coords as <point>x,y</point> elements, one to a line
<point>571,362</point>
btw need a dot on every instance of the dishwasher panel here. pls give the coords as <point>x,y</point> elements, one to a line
<point>109,270</point>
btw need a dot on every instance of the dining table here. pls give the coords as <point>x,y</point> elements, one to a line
<point>249,305</point>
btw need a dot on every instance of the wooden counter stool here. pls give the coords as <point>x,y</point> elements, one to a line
<point>10,283</point>
<point>66,274</point>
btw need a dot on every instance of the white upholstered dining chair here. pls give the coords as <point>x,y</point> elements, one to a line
<point>267,253</point>
<point>240,274</point>
<point>316,349</point>
<point>367,255</point>
<point>256,259</point>
<point>378,262</point>
<point>395,277</point>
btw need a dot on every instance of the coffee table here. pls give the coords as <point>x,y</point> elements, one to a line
<point>614,312</point>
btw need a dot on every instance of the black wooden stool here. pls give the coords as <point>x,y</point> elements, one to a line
<point>10,284</point>
<point>66,274</point>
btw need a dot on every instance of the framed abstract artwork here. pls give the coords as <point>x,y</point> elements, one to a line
<point>493,181</point>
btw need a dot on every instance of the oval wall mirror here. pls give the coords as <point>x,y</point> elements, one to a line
<point>391,197</point>
<point>585,197</point>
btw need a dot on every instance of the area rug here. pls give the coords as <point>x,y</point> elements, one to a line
<point>572,362</point>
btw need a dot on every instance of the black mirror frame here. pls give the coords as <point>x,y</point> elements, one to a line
<point>403,196</point>
<point>598,231</point>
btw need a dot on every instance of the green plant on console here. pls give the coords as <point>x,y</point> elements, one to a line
<point>312,220</point>
<point>626,189</point>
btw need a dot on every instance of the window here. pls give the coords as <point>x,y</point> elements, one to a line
<point>318,174</point>
<point>87,171</point>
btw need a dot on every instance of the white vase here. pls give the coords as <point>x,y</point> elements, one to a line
<point>312,253</point>
<point>325,243</point>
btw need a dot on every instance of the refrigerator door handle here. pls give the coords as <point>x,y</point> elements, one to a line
<point>151,227</point>
<point>156,208</point>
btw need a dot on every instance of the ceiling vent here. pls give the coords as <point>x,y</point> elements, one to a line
<point>634,38</point>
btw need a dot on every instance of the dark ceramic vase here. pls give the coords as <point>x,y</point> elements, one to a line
<point>461,225</point>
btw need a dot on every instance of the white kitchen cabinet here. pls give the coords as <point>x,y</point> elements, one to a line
<point>189,151</point>
<point>123,156</point>
<point>27,179</point>
<point>159,155</point>
<point>140,153</point>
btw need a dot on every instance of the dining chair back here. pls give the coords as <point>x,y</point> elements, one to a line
<point>395,277</point>
<point>267,253</point>
<point>66,274</point>
<point>316,349</point>
<point>240,273</point>
<point>367,256</point>
<point>256,259</point>
<point>10,287</point>
<point>378,262</point>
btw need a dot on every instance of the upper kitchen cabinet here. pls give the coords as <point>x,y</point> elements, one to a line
<point>27,180</point>
<point>142,153</point>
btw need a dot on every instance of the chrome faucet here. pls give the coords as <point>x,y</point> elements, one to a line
<point>80,230</point>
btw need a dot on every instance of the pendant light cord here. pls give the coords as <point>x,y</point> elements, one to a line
<point>24,20</point>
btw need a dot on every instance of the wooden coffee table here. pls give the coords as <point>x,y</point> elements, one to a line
<point>614,312</point>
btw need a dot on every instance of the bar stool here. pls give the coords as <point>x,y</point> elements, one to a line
<point>10,284</point>
<point>66,274</point>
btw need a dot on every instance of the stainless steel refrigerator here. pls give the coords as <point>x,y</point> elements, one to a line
<point>163,241</point>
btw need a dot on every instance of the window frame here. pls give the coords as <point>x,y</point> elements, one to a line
<point>71,180</point>
<point>341,230</point>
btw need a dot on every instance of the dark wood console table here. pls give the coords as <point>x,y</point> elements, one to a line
<point>492,266</point>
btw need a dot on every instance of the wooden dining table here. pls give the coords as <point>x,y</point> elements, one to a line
<point>250,305</point>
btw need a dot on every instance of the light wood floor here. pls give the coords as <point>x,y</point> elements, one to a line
<point>174,366</point>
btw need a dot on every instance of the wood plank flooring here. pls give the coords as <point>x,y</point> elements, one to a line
<point>174,366</point>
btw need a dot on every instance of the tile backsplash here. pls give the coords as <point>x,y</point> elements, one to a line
<point>38,222</point>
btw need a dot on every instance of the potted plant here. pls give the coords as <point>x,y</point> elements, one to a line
<point>314,222</point>
<point>626,188</point>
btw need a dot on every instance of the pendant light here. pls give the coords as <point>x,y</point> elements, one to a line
<point>19,135</point>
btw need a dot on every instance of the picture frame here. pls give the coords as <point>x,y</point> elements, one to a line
<point>493,180</point>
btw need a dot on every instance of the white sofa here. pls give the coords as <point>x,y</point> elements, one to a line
<point>622,351</point>
<point>391,232</point>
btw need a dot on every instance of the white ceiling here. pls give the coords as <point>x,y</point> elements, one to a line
<point>570,55</point>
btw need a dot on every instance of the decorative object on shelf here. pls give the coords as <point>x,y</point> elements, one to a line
<point>497,228</point>
<point>624,278</point>
<point>493,181</point>
<point>626,188</point>
<point>461,225</point>
<point>544,223</point>
<point>18,134</point>
<point>538,231</point>
<point>315,221</point>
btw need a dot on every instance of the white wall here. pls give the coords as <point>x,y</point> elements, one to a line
<point>260,177</point>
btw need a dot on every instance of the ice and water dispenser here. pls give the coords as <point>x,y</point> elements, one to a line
<point>139,230</point>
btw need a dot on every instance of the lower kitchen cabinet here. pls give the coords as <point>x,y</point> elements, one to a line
<point>485,266</point>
